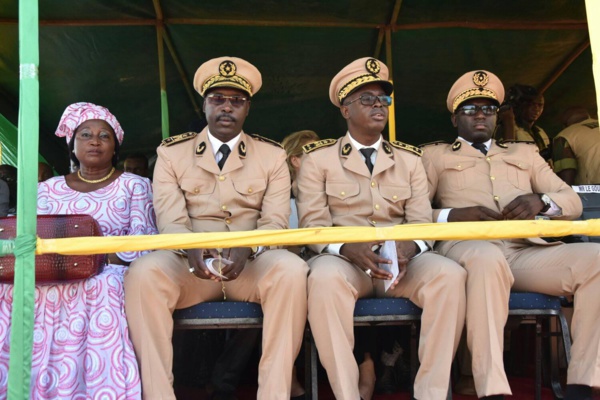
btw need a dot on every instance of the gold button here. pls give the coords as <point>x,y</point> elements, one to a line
<point>377,206</point>
<point>493,178</point>
<point>342,193</point>
<point>196,190</point>
<point>250,190</point>
<point>373,184</point>
<point>488,159</point>
<point>519,164</point>
<point>223,207</point>
<point>221,178</point>
<point>496,198</point>
<point>394,197</point>
<point>374,222</point>
<point>227,221</point>
<point>459,166</point>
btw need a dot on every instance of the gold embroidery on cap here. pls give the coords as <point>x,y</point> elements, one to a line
<point>372,65</point>
<point>232,81</point>
<point>473,92</point>
<point>227,68</point>
<point>480,78</point>
<point>354,83</point>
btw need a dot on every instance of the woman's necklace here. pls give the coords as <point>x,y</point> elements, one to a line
<point>112,171</point>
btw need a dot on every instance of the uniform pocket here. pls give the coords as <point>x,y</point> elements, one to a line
<point>341,196</point>
<point>197,193</point>
<point>458,173</point>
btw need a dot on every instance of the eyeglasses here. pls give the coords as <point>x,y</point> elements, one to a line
<point>369,100</point>
<point>472,109</point>
<point>220,99</point>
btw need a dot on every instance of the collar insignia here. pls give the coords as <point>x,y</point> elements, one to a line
<point>456,146</point>
<point>347,149</point>
<point>242,149</point>
<point>200,149</point>
<point>386,148</point>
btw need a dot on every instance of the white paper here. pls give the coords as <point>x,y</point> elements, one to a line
<point>388,251</point>
<point>213,266</point>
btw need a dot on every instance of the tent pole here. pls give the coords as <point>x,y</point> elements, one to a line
<point>593,15</point>
<point>182,75</point>
<point>388,61</point>
<point>564,65</point>
<point>164,104</point>
<point>22,318</point>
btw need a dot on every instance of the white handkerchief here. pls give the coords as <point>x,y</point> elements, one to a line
<point>388,250</point>
<point>213,266</point>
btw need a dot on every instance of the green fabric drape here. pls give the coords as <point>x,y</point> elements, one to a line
<point>21,336</point>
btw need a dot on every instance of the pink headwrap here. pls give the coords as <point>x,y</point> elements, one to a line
<point>77,113</point>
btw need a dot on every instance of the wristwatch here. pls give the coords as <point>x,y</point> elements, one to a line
<point>254,253</point>
<point>547,202</point>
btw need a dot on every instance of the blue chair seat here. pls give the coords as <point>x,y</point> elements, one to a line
<point>533,301</point>
<point>385,307</point>
<point>219,314</point>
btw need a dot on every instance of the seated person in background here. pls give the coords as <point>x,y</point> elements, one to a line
<point>364,180</point>
<point>44,172</point>
<point>219,180</point>
<point>292,144</point>
<point>8,174</point>
<point>576,149</point>
<point>82,347</point>
<point>477,179</point>
<point>137,164</point>
<point>517,117</point>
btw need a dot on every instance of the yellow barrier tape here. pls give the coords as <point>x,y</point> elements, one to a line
<point>441,231</point>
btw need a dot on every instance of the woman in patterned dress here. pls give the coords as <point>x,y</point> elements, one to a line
<point>81,346</point>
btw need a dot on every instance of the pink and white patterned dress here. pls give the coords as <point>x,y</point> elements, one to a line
<point>81,345</point>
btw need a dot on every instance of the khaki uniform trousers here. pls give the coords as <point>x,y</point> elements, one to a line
<point>494,267</point>
<point>432,282</point>
<point>160,282</point>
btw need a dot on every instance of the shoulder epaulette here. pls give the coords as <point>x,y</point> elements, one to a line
<point>264,139</point>
<point>434,143</point>
<point>407,147</point>
<point>516,141</point>
<point>178,138</point>
<point>307,148</point>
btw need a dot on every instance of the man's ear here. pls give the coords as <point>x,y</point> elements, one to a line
<point>203,107</point>
<point>248,109</point>
<point>453,119</point>
<point>345,112</point>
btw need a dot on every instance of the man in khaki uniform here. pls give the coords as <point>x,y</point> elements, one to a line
<point>576,149</point>
<point>363,180</point>
<point>221,179</point>
<point>477,179</point>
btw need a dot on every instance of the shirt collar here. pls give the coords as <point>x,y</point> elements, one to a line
<point>487,144</point>
<point>216,143</point>
<point>359,146</point>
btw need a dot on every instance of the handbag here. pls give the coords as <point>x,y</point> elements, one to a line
<point>52,267</point>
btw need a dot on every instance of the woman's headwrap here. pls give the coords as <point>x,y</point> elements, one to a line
<point>77,113</point>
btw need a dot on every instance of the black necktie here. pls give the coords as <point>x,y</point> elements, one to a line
<point>367,151</point>
<point>481,147</point>
<point>224,150</point>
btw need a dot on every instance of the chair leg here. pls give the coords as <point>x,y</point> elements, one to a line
<point>413,355</point>
<point>538,358</point>
<point>314,386</point>
<point>308,364</point>
<point>554,360</point>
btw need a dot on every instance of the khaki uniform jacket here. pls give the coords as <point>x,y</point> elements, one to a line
<point>584,140</point>
<point>335,188</point>
<point>191,194</point>
<point>461,176</point>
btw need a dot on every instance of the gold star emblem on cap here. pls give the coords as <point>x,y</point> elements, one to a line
<point>227,68</point>
<point>480,78</point>
<point>372,65</point>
